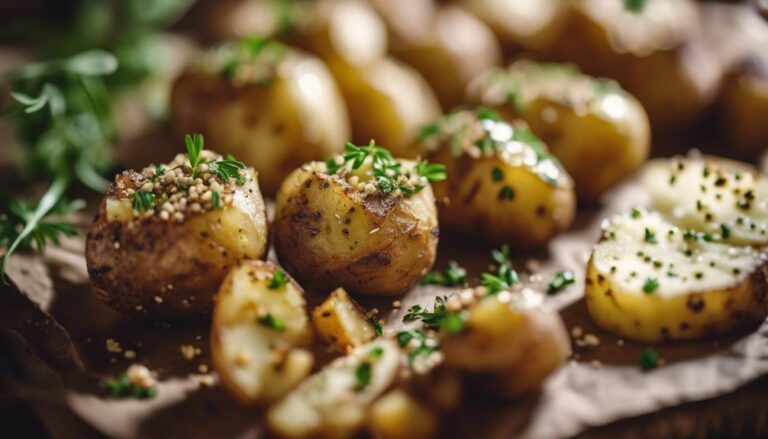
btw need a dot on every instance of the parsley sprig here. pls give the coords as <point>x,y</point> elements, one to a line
<point>278,280</point>
<point>225,169</point>
<point>421,348</point>
<point>505,275</point>
<point>453,276</point>
<point>560,281</point>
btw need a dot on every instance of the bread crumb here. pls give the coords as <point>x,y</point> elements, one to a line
<point>140,376</point>
<point>620,342</point>
<point>396,304</point>
<point>203,368</point>
<point>576,332</point>
<point>129,354</point>
<point>188,351</point>
<point>113,346</point>
<point>158,299</point>
<point>591,340</point>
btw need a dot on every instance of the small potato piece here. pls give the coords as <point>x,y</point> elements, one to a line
<point>259,334</point>
<point>398,415</point>
<point>341,322</point>
<point>650,281</point>
<point>329,233</point>
<point>724,199</point>
<point>522,24</point>
<point>508,346</point>
<point>273,107</point>
<point>167,259</point>
<point>502,186</point>
<point>333,402</point>
<point>598,131</point>
<point>745,104</point>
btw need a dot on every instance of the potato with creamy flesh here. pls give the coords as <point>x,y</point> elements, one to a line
<point>363,221</point>
<point>341,322</point>
<point>334,402</point>
<point>598,131</point>
<point>726,200</point>
<point>649,280</point>
<point>260,333</point>
<point>273,107</point>
<point>503,185</point>
<point>745,103</point>
<point>164,238</point>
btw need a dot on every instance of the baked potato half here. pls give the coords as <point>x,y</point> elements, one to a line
<point>726,200</point>
<point>649,280</point>
<point>363,221</point>
<point>260,333</point>
<point>273,107</point>
<point>333,403</point>
<point>164,238</point>
<point>744,100</point>
<point>504,186</point>
<point>341,323</point>
<point>598,131</point>
<point>656,53</point>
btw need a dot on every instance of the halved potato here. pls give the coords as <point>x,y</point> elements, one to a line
<point>260,333</point>
<point>333,403</point>
<point>598,131</point>
<point>745,100</point>
<point>341,323</point>
<point>508,346</point>
<point>649,280</point>
<point>726,200</point>
<point>334,230</point>
<point>273,107</point>
<point>161,242</point>
<point>502,186</point>
<point>400,415</point>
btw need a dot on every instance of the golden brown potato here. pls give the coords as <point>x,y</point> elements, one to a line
<point>341,322</point>
<point>649,280</point>
<point>458,49</point>
<point>399,415</point>
<point>259,334</point>
<point>745,104</point>
<point>508,345</point>
<point>657,54</point>
<point>273,107</point>
<point>162,241</point>
<point>356,227</point>
<point>503,185</point>
<point>522,24</point>
<point>598,131</point>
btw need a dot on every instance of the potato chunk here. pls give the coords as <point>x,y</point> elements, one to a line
<point>259,334</point>
<point>503,186</point>
<point>273,107</point>
<point>341,322</point>
<point>598,131</point>
<point>333,402</point>
<point>398,415</point>
<point>159,247</point>
<point>649,280</point>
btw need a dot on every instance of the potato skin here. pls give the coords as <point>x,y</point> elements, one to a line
<point>698,315</point>
<point>166,270</point>
<point>328,235</point>
<point>274,127</point>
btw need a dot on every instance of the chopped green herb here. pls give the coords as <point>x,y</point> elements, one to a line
<point>497,174</point>
<point>159,171</point>
<point>122,387</point>
<point>422,348</point>
<point>505,276</point>
<point>431,171</point>
<point>725,231</point>
<point>561,280</point>
<point>142,200</point>
<point>506,193</point>
<point>649,359</point>
<point>453,276</point>
<point>195,145</point>
<point>273,322</point>
<point>216,199</point>
<point>363,375</point>
<point>635,6</point>
<point>278,280</point>
<point>650,236</point>
<point>431,319</point>
<point>228,168</point>
<point>375,352</point>
<point>650,285</point>
<point>636,213</point>
<point>485,113</point>
<point>452,324</point>
<point>376,326</point>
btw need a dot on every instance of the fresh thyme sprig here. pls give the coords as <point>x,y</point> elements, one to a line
<point>505,276</point>
<point>437,319</point>
<point>224,169</point>
<point>453,276</point>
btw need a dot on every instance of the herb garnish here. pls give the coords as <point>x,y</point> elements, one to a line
<point>273,322</point>
<point>453,276</point>
<point>650,236</point>
<point>505,276</point>
<point>278,280</point>
<point>215,199</point>
<point>430,319</point>
<point>363,375</point>
<point>421,348</point>
<point>561,280</point>
<point>224,169</point>
<point>634,6</point>
<point>649,359</point>
<point>123,386</point>
<point>650,285</point>
<point>636,213</point>
<point>376,326</point>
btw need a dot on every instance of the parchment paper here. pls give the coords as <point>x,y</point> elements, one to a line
<point>58,334</point>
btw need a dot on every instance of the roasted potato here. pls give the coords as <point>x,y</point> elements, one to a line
<point>399,415</point>
<point>341,322</point>
<point>649,280</point>
<point>657,54</point>
<point>508,345</point>
<point>725,200</point>
<point>260,333</point>
<point>333,403</point>
<point>408,22</point>
<point>598,131</point>
<point>369,229</point>
<point>745,100</point>
<point>451,47</point>
<point>503,185</point>
<point>273,107</point>
<point>164,238</point>
<point>522,24</point>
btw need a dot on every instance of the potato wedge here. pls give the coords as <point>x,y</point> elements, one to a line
<point>273,107</point>
<point>745,98</point>
<point>503,185</point>
<point>333,402</point>
<point>334,230</point>
<point>509,345</point>
<point>399,415</point>
<point>341,323</point>
<point>726,200</point>
<point>260,333</point>
<point>161,241</point>
<point>598,131</point>
<point>650,281</point>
